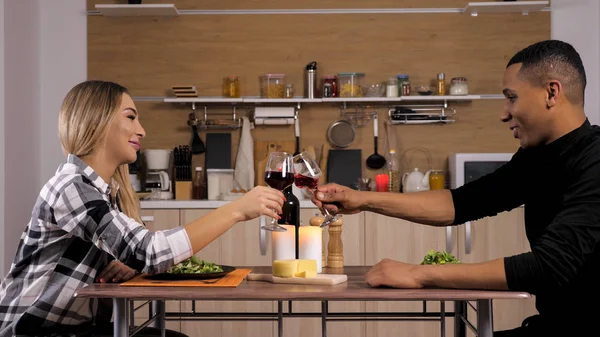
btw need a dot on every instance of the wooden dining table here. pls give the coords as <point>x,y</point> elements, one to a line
<point>355,289</point>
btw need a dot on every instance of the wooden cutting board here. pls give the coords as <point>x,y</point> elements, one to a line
<point>321,279</point>
<point>262,148</point>
<point>262,163</point>
<point>230,280</point>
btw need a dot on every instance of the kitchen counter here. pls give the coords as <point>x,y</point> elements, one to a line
<point>198,204</point>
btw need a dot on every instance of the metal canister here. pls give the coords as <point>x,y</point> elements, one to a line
<point>310,80</point>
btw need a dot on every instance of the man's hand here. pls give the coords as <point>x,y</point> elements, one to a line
<point>338,199</point>
<point>390,273</point>
<point>115,271</point>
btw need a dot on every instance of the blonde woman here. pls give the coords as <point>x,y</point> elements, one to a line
<point>88,214</point>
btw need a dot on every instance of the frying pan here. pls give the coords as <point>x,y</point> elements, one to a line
<point>341,133</point>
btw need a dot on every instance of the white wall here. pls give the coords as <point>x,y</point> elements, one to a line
<point>578,23</point>
<point>63,64</point>
<point>43,48</point>
<point>21,118</point>
<point>2,135</point>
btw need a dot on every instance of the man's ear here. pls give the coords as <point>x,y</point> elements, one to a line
<point>553,93</point>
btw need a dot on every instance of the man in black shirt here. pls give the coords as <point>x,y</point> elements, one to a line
<point>555,174</point>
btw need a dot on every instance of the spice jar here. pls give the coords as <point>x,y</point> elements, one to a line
<point>330,87</point>
<point>391,89</point>
<point>436,180</point>
<point>402,78</point>
<point>405,89</point>
<point>441,84</point>
<point>458,86</point>
<point>231,87</point>
<point>289,91</point>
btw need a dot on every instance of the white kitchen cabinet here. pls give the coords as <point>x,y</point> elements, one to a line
<point>496,237</point>
<point>211,253</point>
<point>405,241</point>
<point>238,247</point>
<point>155,220</point>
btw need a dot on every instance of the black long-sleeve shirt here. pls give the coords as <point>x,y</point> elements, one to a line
<point>559,186</point>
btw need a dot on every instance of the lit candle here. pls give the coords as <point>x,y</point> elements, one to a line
<point>311,245</point>
<point>284,243</point>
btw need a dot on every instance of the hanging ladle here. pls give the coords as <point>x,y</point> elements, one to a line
<point>375,161</point>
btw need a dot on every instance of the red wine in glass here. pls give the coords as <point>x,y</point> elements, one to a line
<point>279,174</point>
<point>306,182</point>
<point>278,180</point>
<point>307,176</point>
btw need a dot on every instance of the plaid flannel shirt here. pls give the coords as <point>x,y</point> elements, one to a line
<point>73,231</point>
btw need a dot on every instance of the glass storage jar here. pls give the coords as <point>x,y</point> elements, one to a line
<point>458,86</point>
<point>391,89</point>
<point>231,87</point>
<point>273,86</point>
<point>350,84</point>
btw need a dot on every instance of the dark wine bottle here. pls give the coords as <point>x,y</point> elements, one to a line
<point>291,214</point>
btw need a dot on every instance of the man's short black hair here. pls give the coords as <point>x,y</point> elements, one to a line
<point>553,59</point>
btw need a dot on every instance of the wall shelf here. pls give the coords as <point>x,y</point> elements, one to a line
<point>203,100</point>
<point>348,100</point>
<point>523,7</point>
<point>259,100</point>
<point>137,10</point>
<point>473,8</point>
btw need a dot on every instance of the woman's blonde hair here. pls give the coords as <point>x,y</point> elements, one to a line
<point>85,118</point>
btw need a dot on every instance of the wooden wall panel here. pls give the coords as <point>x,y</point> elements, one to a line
<point>149,55</point>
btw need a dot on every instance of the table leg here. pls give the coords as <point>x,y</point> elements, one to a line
<point>460,309</point>
<point>159,310</point>
<point>443,318</point>
<point>324,310</point>
<point>120,321</point>
<point>485,318</point>
<point>280,318</point>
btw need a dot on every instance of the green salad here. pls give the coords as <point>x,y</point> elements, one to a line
<point>194,265</point>
<point>434,257</point>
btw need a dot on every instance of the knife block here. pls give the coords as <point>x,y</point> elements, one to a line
<point>183,190</point>
<point>335,246</point>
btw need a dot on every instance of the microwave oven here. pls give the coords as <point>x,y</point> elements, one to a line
<point>466,167</point>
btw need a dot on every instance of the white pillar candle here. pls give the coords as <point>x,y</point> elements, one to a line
<point>311,245</point>
<point>284,243</point>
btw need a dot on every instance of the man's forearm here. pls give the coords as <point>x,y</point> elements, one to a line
<point>434,208</point>
<point>488,275</point>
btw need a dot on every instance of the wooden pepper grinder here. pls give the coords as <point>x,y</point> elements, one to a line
<point>335,256</point>
<point>317,220</point>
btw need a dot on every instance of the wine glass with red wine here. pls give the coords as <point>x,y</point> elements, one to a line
<point>307,176</point>
<point>279,174</point>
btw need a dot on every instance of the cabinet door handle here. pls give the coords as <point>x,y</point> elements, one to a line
<point>449,239</point>
<point>148,218</point>
<point>468,237</point>
<point>263,235</point>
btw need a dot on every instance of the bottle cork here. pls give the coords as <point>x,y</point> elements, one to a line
<point>335,256</point>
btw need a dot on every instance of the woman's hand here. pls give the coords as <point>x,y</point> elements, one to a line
<point>115,271</point>
<point>259,201</point>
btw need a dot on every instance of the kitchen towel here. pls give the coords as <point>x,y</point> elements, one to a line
<point>244,163</point>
